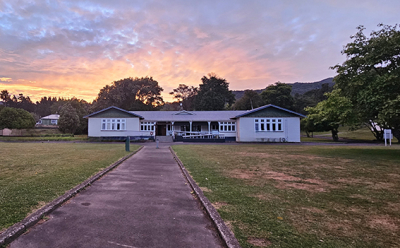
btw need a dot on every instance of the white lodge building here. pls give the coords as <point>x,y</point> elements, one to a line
<point>268,123</point>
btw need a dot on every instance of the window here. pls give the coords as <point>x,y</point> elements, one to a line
<point>227,126</point>
<point>54,122</point>
<point>147,125</point>
<point>113,124</point>
<point>268,124</point>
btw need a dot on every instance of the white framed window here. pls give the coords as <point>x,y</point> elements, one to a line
<point>268,124</point>
<point>147,125</point>
<point>54,122</point>
<point>111,124</point>
<point>227,126</point>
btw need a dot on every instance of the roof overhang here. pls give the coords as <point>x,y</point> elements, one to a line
<point>116,108</point>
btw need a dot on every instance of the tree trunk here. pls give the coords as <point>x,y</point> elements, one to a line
<point>308,134</point>
<point>374,129</point>
<point>335,135</point>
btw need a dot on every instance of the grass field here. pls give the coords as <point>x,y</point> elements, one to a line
<point>362,134</point>
<point>302,196</point>
<point>33,174</point>
<point>46,138</point>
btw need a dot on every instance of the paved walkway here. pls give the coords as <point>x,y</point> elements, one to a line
<point>144,202</point>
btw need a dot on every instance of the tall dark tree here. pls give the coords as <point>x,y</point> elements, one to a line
<point>213,94</point>
<point>131,94</point>
<point>251,99</point>
<point>370,78</point>
<point>43,107</point>
<point>69,119</point>
<point>279,94</point>
<point>5,96</point>
<point>185,95</point>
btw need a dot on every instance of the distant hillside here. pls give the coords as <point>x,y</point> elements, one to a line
<point>297,88</point>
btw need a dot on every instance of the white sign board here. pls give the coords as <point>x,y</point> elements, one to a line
<point>387,135</point>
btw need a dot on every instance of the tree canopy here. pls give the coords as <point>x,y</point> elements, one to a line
<point>185,95</point>
<point>251,99</point>
<point>14,118</point>
<point>279,95</point>
<point>213,94</point>
<point>69,119</point>
<point>131,94</point>
<point>370,78</point>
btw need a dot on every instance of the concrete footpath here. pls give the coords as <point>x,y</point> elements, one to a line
<point>144,202</point>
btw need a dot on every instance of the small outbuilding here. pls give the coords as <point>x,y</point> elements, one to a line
<point>50,120</point>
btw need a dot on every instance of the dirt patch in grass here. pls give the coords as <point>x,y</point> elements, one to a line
<point>383,222</point>
<point>283,180</point>
<point>313,210</point>
<point>205,189</point>
<point>382,185</point>
<point>259,242</point>
<point>218,205</point>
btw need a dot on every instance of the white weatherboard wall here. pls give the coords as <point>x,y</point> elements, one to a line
<point>132,128</point>
<point>246,130</point>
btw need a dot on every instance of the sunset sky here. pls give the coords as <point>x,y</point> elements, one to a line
<point>74,48</point>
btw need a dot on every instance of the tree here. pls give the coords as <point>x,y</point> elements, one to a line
<point>185,95</point>
<point>311,98</point>
<point>251,99</point>
<point>14,118</point>
<point>131,94</point>
<point>213,94</point>
<point>329,114</point>
<point>5,96</point>
<point>279,95</point>
<point>69,119</point>
<point>370,77</point>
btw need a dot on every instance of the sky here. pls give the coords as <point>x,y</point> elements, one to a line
<point>75,48</point>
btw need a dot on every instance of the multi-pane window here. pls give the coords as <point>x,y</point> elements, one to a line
<point>113,124</point>
<point>147,126</point>
<point>54,122</point>
<point>268,124</point>
<point>227,126</point>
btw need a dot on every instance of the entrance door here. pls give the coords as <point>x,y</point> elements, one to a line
<point>161,130</point>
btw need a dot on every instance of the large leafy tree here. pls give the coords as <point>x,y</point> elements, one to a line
<point>131,94</point>
<point>14,118</point>
<point>370,78</point>
<point>69,119</point>
<point>279,94</point>
<point>185,95</point>
<point>251,99</point>
<point>213,94</point>
<point>329,114</point>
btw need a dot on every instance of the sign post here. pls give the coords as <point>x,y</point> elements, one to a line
<point>387,135</point>
<point>127,143</point>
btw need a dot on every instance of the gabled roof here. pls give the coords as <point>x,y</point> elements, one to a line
<point>185,116</point>
<point>265,107</point>
<point>115,108</point>
<point>51,117</point>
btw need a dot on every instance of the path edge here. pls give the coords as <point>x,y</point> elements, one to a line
<point>225,233</point>
<point>21,227</point>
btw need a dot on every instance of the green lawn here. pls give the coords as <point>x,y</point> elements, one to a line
<point>302,196</point>
<point>33,174</point>
<point>56,137</point>
<point>362,134</point>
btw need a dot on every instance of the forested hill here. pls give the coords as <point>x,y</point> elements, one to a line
<point>299,88</point>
